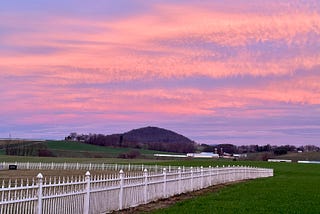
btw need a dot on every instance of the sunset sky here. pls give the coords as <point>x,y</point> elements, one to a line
<point>241,72</point>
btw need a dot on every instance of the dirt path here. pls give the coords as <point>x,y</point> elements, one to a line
<point>163,203</point>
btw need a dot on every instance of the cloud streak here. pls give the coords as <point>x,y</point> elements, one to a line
<point>159,63</point>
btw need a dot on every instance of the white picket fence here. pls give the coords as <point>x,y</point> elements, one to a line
<point>87,166</point>
<point>103,194</point>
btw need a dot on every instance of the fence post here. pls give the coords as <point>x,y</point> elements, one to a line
<point>243,171</point>
<point>248,172</point>
<point>121,189</point>
<point>223,174</point>
<point>202,177</point>
<point>145,193</point>
<point>86,203</point>
<point>179,181</point>
<point>218,175</point>
<point>236,172</point>
<point>40,182</point>
<point>210,171</point>
<point>191,170</point>
<point>164,182</point>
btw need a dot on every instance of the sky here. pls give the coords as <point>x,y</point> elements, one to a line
<point>241,72</point>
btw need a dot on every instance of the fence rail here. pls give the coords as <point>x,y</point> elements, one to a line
<point>105,193</point>
<point>87,166</point>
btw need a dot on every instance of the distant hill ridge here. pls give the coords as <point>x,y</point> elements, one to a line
<point>154,134</point>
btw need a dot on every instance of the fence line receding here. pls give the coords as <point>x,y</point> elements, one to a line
<point>105,193</point>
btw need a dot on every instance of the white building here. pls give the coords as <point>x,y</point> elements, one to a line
<point>203,155</point>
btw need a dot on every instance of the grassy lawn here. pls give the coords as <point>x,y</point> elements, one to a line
<point>295,188</point>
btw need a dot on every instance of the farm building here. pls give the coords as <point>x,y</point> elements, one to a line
<point>203,155</point>
<point>168,155</point>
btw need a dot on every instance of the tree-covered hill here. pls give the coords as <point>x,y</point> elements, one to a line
<point>152,138</point>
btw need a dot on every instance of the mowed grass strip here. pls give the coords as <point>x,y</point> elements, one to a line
<point>295,188</point>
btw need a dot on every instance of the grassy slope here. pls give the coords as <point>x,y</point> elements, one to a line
<point>295,188</point>
<point>60,146</point>
<point>76,146</point>
<point>77,149</point>
<point>82,150</point>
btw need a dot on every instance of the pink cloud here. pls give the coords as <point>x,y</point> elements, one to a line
<point>111,51</point>
<point>182,101</point>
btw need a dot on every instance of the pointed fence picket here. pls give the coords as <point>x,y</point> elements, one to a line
<point>105,193</point>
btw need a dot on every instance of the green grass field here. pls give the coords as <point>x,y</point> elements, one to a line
<point>295,188</point>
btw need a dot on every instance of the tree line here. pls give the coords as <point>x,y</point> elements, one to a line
<point>276,150</point>
<point>121,140</point>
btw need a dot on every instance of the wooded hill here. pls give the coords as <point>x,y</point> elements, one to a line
<point>152,138</point>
